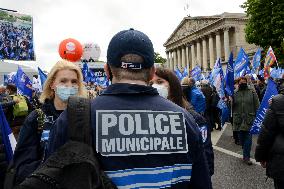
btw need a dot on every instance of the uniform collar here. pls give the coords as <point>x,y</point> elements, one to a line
<point>125,88</point>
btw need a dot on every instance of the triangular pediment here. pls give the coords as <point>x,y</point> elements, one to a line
<point>190,25</point>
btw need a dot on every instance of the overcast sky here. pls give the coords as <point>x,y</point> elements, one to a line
<point>98,20</point>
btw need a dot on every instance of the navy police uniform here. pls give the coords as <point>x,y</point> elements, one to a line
<point>129,168</point>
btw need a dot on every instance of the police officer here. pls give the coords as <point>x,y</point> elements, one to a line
<point>142,139</point>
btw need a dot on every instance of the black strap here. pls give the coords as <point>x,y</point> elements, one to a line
<point>79,128</point>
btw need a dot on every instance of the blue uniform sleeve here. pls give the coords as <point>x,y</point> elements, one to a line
<point>200,177</point>
<point>58,133</point>
<point>208,149</point>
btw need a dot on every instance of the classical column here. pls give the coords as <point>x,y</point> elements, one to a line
<point>183,56</point>
<point>187,57</point>
<point>218,44</point>
<point>211,52</point>
<point>168,59</point>
<point>179,57</point>
<point>175,59</point>
<point>204,53</point>
<point>193,62</point>
<point>198,53</point>
<point>226,44</point>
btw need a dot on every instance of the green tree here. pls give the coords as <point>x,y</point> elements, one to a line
<point>158,58</point>
<point>265,26</point>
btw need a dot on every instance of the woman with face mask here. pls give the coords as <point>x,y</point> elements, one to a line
<point>169,87</point>
<point>64,80</point>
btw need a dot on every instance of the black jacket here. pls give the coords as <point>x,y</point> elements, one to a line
<point>270,143</point>
<point>29,151</point>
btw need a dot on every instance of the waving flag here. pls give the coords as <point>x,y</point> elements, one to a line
<point>219,84</point>
<point>230,76</point>
<point>85,72</point>
<point>8,138</point>
<point>185,73</point>
<point>241,62</point>
<point>178,74</point>
<point>23,83</point>
<point>196,73</point>
<point>42,77</point>
<point>271,91</point>
<point>10,78</point>
<point>102,81</point>
<point>216,70</point>
<point>256,60</point>
<point>92,77</point>
<point>270,58</point>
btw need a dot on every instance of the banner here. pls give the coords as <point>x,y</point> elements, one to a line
<point>16,41</point>
<point>271,91</point>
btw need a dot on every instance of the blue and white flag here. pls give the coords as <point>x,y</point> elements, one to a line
<point>85,72</point>
<point>178,74</point>
<point>23,83</point>
<point>92,77</point>
<point>8,138</point>
<point>241,62</point>
<point>230,76</point>
<point>271,91</point>
<point>185,73</point>
<point>102,81</point>
<point>276,73</point>
<point>196,73</point>
<point>10,78</point>
<point>42,77</point>
<point>256,59</point>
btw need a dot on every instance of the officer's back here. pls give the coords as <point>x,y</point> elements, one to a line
<point>143,140</point>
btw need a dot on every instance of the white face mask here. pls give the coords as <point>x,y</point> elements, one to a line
<point>162,90</point>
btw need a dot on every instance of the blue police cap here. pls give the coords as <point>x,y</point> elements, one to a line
<point>130,42</point>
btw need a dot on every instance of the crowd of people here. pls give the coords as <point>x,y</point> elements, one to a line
<point>148,129</point>
<point>16,42</point>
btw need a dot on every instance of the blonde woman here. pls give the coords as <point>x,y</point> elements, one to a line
<point>65,79</point>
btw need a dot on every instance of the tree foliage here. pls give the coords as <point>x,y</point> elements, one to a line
<point>266,25</point>
<point>158,58</point>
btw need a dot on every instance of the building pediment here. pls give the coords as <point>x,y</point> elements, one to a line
<point>188,26</point>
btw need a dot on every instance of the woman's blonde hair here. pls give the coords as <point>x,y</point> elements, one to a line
<point>48,93</point>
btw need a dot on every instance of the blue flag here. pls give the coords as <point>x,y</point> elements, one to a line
<point>23,83</point>
<point>103,81</point>
<point>256,59</point>
<point>8,138</point>
<point>92,77</point>
<point>271,91</point>
<point>230,76</point>
<point>220,88</point>
<point>42,77</point>
<point>276,73</point>
<point>196,73</point>
<point>10,78</point>
<point>85,72</point>
<point>178,74</point>
<point>241,62</point>
<point>185,73</point>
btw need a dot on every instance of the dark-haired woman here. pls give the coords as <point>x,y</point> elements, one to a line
<point>168,86</point>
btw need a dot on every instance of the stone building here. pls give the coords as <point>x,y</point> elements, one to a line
<point>201,40</point>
